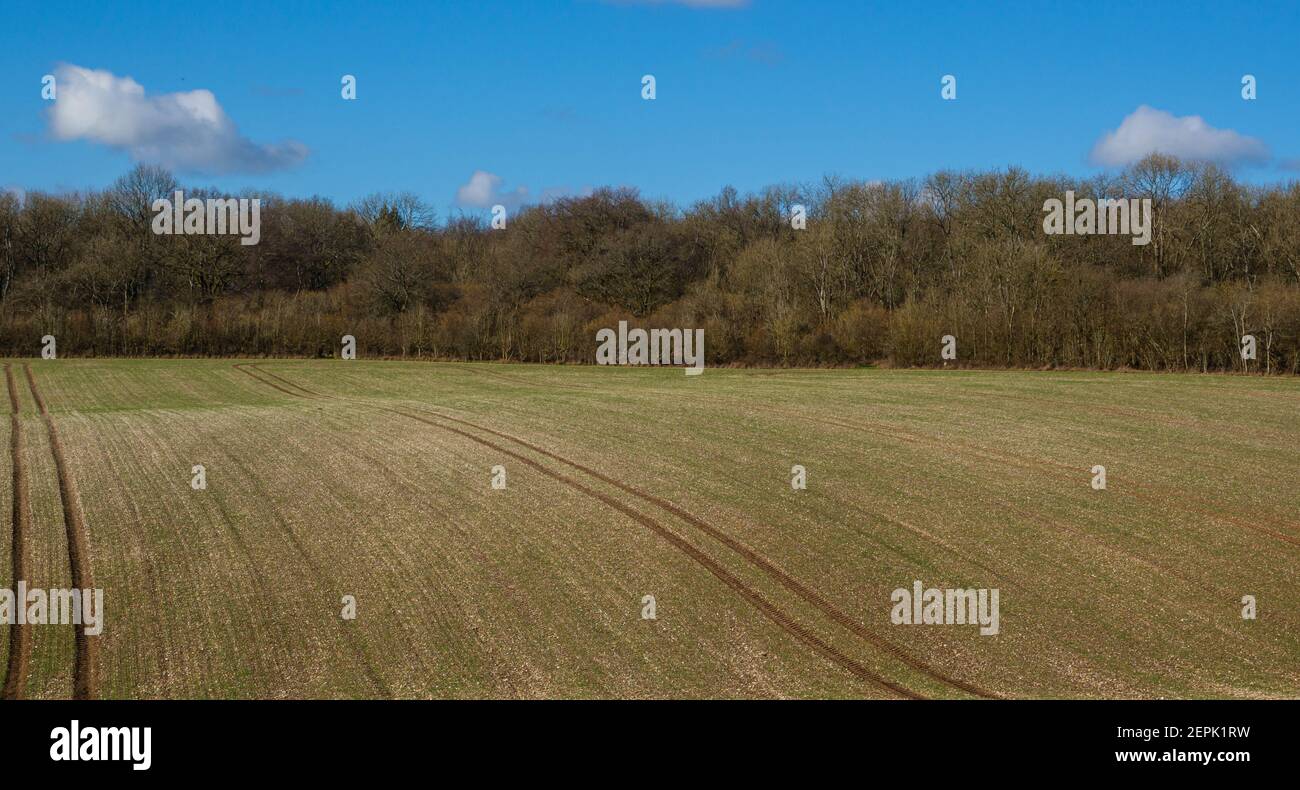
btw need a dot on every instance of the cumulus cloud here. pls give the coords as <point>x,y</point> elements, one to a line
<point>483,190</point>
<point>185,131</point>
<point>1148,130</point>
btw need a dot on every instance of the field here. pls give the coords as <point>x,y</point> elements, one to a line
<point>327,479</point>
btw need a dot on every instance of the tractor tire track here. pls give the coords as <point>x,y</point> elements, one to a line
<point>247,369</point>
<point>901,435</point>
<point>1058,469</point>
<point>1150,492</point>
<point>1061,471</point>
<point>976,451</point>
<point>85,683</point>
<point>769,610</point>
<point>20,635</point>
<point>879,516</point>
<point>753,557</point>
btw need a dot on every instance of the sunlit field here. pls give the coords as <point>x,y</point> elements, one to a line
<point>380,481</point>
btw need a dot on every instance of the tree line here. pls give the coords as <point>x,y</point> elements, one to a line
<point>879,274</point>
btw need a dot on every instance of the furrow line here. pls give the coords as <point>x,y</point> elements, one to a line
<point>20,635</point>
<point>691,550</point>
<point>85,683</point>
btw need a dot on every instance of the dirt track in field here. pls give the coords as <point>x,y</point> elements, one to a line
<point>771,611</point>
<point>912,438</point>
<point>1147,492</point>
<point>85,677</point>
<point>1284,531</point>
<point>20,635</point>
<point>754,558</point>
<point>1150,492</point>
<point>768,609</point>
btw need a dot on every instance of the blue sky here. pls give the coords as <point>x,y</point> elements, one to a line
<point>546,96</point>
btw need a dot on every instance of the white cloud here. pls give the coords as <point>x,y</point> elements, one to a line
<point>185,131</point>
<point>1148,130</point>
<point>483,190</point>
